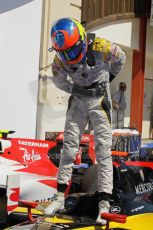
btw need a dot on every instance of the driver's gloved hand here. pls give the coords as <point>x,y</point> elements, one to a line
<point>111,77</point>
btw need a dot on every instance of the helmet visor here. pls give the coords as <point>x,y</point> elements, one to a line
<point>72,53</point>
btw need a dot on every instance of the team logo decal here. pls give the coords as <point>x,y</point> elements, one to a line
<point>115,209</point>
<point>141,188</point>
<point>70,202</point>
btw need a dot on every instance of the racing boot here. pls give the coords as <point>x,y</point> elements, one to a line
<point>104,207</point>
<point>58,200</point>
<point>56,204</point>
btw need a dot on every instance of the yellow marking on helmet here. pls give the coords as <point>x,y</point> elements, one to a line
<point>81,29</point>
<point>102,45</point>
<point>67,57</point>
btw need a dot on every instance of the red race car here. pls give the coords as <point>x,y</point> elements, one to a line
<point>29,168</point>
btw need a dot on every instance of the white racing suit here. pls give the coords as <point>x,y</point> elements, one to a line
<point>90,100</point>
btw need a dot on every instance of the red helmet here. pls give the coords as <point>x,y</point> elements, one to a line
<point>69,40</point>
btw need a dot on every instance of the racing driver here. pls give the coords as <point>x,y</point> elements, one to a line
<point>83,66</point>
